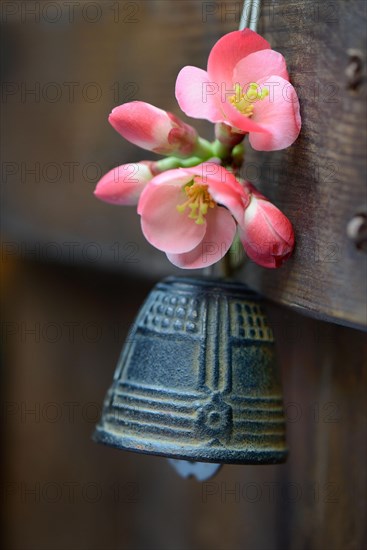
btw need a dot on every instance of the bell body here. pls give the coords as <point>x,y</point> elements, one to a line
<point>197,378</point>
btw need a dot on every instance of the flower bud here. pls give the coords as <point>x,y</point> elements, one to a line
<point>124,184</point>
<point>154,129</point>
<point>265,232</point>
<point>228,135</point>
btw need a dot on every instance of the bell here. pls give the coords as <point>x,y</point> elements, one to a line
<point>197,378</point>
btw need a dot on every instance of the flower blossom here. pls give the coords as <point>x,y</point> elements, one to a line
<point>189,213</point>
<point>265,232</point>
<point>246,86</point>
<point>124,184</point>
<point>153,129</point>
<point>192,214</point>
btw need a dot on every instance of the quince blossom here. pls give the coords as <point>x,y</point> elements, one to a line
<point>246,86</point>
<point>193,214</point>
<point>124,184</point>
<point>192,207</point>
<point>153,129</point>
<point>265,232</point>
<point>189,213</point>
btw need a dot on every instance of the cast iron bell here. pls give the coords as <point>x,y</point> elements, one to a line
<point>197,378</point>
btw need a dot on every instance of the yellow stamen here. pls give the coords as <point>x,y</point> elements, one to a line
<point>243,101</point>
<point>199,200</point>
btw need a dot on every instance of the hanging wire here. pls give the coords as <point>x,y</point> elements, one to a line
<point>250,14</point>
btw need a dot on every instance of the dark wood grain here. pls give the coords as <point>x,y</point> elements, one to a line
<point>55,151</point>
<point>320,182</point>
<point>315,501</point>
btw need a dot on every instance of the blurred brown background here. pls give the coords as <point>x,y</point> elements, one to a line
<point>75,271</point>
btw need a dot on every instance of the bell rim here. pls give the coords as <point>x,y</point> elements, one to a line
<point>187,452</point>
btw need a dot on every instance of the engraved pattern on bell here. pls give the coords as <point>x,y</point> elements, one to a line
<point>197,378</point>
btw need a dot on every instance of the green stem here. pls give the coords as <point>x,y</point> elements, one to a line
<point>238,154</point>
<point>170,163</point>
<point>220,150</point>
<point>203,149</point>
<point>226,266</point>
<point>203,152</point>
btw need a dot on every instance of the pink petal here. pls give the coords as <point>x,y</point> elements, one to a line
<point>221,229</point>
<point>210,170</point>
<point>279,223</point>
<point>228,51</point>
<point>177,177</point>
<point>264,255</point>
<point>278,114</point>
<point>250,188</point>
<point>259,65</point>
<point>162,225</point>
<point>123,184</point>
<point>142,124</point>
<point>223,187</point>
<point>197,96</point>
<point>266,233</point>
<point>236,119</point>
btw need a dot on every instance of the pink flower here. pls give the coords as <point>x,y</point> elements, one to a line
<point>265,232</point>
<point>124,184</point>
<point>153,129</point>
<point>188,213</point>
<point>246,86</point>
